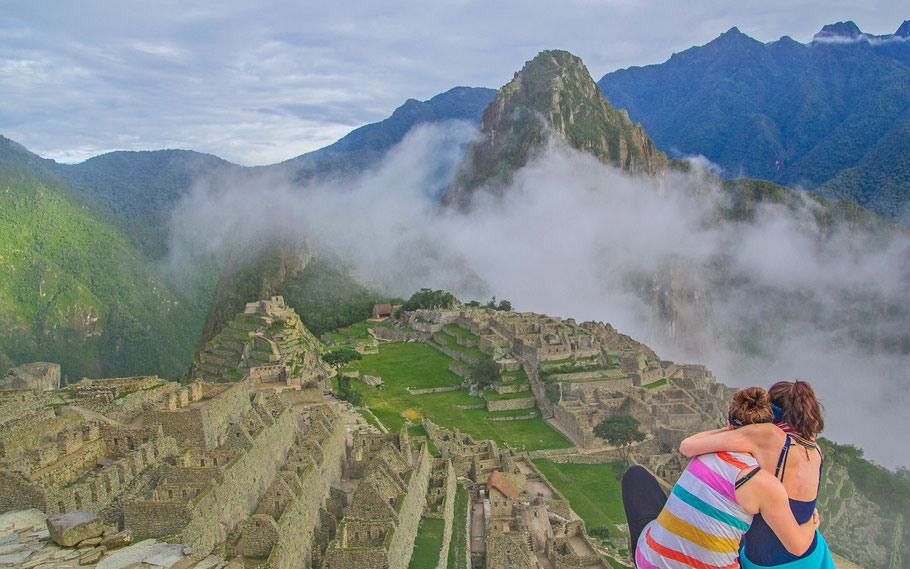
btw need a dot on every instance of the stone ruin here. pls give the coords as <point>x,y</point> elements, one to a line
<point>516,518</point>
<point>381,521</point>
<point>690,400</point>
<point>266,346</point>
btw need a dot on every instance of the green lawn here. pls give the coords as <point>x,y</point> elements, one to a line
<point>517,374</point>
<point>460,542</point>
<point>493,396</point>
<point>459,331</point>
<point>657,383</point>
<point>428,544</point>
<point>402,365</point>
<point>592,490</point>
<point>453,344</point>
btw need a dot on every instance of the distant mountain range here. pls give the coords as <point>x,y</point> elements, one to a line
<point>731,100</point>
<point>832,115</point>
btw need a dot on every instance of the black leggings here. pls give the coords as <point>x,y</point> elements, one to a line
<point>643,500</point>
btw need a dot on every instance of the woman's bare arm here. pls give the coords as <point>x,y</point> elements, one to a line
<point>716,440</point>
<point>774,506</point>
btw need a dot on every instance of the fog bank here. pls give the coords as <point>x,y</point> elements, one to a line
<point>776,298</point>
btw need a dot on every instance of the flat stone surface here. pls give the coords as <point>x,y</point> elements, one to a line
<point>15,558</point>
<point>167,554</point>
<point>117,540</point>
<point>8,538</point>
<point>128,555</point>
<point>42,535</point>
<point>11,548</point>
<point>209,562</point>
<point>92,556</point>
<point>22,519</point>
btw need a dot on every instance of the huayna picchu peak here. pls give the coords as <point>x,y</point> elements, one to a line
<point>552,98</point>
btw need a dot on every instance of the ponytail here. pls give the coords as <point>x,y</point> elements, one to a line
<point>801,410</point>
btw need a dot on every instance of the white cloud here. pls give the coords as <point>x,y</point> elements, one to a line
<point>579,239</point>
<point>147,72</point>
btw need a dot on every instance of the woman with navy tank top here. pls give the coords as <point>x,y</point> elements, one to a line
<point>788,449</point>
<point>714,502</point>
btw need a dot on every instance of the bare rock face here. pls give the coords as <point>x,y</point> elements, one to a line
<point>552,99</point>
<point>71,528</point>
<point>40,376</point>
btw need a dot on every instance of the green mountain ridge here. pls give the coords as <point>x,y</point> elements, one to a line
<point>74,290</point>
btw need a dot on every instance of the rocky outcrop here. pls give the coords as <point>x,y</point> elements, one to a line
<point>552,98</point>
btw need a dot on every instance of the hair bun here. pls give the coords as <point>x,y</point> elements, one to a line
<point>752,397</point>
<point>751,405</point>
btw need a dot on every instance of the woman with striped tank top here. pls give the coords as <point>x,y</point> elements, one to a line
<point>712,505</point>
<point>787,448</point>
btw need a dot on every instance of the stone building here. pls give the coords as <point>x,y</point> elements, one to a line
<point>381,522</point>
<point>57,459</point>
<point>689,400</point>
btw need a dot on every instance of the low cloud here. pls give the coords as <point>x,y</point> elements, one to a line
<point>776,298</point>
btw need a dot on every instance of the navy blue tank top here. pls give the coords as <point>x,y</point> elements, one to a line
<point>761,544</point>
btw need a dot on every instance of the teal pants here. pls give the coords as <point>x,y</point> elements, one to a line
<point>818,559</point>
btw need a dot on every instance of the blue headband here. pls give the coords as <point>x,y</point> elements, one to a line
<point>778,413</point>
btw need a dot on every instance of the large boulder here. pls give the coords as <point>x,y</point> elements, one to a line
<point>71,528</point>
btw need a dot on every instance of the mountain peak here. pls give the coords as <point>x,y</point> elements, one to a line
<point>904,30</point>
<point>847,30</point>
<point>551,99</point>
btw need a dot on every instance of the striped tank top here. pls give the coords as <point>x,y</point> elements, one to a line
<point>702,522</point>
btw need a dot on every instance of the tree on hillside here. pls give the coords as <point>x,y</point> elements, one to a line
<point>347,392</point>
<point>620,431</point>
<point>430,300</point>
<point>485,372</point>
<point>341,357</point>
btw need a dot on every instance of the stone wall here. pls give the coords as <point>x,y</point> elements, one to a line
<point>402,543</point>
<point>297,525</point>
<point>453,354</point>
<point>302,396</point>
<point>130,406</point>
<point>460,369</point>
<point>157,518</point>
<point>425,390</point>
<point>511,404</point>
<point>531,415</point>
<point>606,374</point>
<point>39,376</point>
<point>245,480</point>
<point>206,423</point>
<point>396,335</point>
<point>606,386</point>
<point>92,492</point>
<point>448,515</point>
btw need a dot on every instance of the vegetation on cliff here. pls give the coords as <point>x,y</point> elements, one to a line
<point>552,98</point>
<point>75,290</point>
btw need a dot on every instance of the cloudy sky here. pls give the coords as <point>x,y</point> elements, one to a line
<point>257,83</point>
